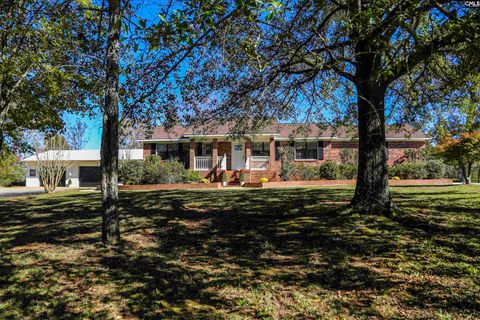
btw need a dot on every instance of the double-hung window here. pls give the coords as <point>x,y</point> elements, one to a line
<point>203,149</point>
<point>308,150</point>
<point>261,149</point>
<point>167,151</point>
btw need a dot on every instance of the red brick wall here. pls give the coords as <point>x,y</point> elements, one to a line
<point>147,150</point>
<point>331,151</point>
<point>326,155</point>
<point>396,149</point>
<point>225,147</point>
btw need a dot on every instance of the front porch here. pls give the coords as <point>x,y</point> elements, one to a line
<point>216,155</point>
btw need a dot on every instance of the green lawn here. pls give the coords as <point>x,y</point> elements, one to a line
<point>242,254</point>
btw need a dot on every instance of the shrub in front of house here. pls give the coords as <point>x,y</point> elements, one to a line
<point>287,164</point>
<point>263,180</point>
<point>163,172</point>
<point>131,172</point>
<point>431,169</point>
<point>328,170</point>
<point>434,169</point>
<point>408,170</point>
<point>224,177</point>
<point>192,176</point>
<point>306,172</point>
<point>241,177</point>
<point>347,171</point>
<point>171,172</point>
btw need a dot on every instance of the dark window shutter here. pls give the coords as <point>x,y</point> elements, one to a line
<point>277,150</point>
<point>153,148</point>
<point>320,150</point>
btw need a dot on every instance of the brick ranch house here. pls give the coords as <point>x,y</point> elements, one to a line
<point>211,151</point>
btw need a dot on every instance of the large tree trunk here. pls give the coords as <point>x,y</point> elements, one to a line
<point>109,152</point>
<point>371,193</point>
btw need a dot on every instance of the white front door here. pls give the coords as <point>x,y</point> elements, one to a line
<point>238,155</point>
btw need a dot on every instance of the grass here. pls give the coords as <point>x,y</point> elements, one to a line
<point>240,254</point>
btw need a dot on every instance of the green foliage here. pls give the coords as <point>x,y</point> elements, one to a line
<point>204,180</point>
<point>263,180</point>
<point>347,171</point>
<point>431,169</point>
<point>131,172</point>
<point>11,172</point>
<point>328,170</point>
<point>434,169</point>
<point>463,151</point>
<point>154,170</point>
<point>287,164</point>
<point>408,170</point>
<point>192,176</point>
<point>414,155</point>
<point>348,155</point>
<point>241,176</point>
<point>158,171</point>
<point>307,172</point>
<point>49,65</point>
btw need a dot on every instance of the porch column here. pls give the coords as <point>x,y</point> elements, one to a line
<point>214,153</point>
<point>248,151</point>
<point>273,166</point>
<point>191,157</point>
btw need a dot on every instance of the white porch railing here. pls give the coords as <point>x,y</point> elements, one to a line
<point>203,163</point>
<point>222,162</point>
<point>258,163</point>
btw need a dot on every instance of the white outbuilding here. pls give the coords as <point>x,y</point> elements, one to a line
<point>83,166</point>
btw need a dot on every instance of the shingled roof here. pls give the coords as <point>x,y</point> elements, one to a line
<point>281,131</point>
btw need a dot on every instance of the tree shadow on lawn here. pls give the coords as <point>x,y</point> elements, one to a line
<point>265,236</point>
<point>220,254</point>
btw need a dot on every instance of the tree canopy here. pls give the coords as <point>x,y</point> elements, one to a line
<point>342,61</point>
<point>463,151</point>
<point>48,62</point>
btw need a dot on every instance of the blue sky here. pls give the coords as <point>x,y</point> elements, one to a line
<point>94,129</point>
